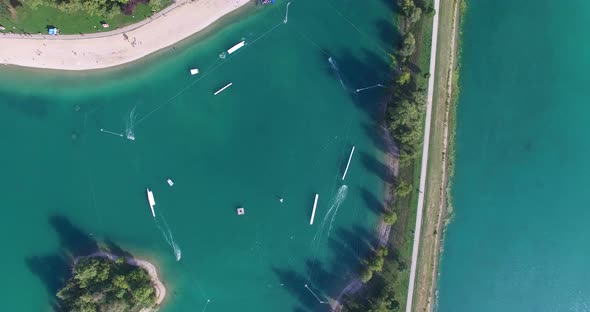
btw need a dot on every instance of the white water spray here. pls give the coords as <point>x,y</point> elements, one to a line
<point>334,66</point>
<point>287,14</point>
<point>331,214</point>
<point>130,125</point>
<point>167,233</point>
<point>336,202</point>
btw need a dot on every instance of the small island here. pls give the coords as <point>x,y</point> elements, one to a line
<point>105,282</point>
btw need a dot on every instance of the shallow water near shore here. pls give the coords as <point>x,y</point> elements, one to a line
<point>518,241</point>
<point>283,129</point>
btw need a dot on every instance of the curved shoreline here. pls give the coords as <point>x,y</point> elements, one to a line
<point>383,229</point>
<point>102,50</point>
<point>148,266</point>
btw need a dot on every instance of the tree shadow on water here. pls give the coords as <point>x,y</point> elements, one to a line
<point>116,249</point>
<point>347,247</point>
<point>376,167</point>
<point>376,133</point>
<point>375,204</point>
<point>30,106</point>
<point>388,32</point>
<point>368,73</point>
<point>55,268</point>
<point>295,283</point>
<point>73,240</point>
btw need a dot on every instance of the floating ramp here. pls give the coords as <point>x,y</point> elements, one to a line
<point>315,205</point>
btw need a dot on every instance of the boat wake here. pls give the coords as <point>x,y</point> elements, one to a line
<point>330,215</point>
<point>167,233</point>
<point>328,223</point>
<point>335,204</point>
<point>130,125</point>
<point>336,69</point>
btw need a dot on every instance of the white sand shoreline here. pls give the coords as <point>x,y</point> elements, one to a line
<point>149,267</point>
<point>103,50</point>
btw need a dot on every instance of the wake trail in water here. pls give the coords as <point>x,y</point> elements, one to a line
<point>130,125</point>
<point>336,69</point>
<point>336,202</point>
<point>167,233</point>
<point>330,215</point>
<point>328,222</point>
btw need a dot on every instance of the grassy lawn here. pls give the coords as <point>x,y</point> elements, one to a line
<point>35,20</point>
<point>402,233</point>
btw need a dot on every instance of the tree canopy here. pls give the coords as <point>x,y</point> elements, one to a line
<point>100,284</point>
<point>105,8</point>
<point>408,46</point>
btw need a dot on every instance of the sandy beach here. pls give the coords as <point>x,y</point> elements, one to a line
<point>103,50</point>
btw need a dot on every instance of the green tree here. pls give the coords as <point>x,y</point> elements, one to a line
<point>3,8</point>
<point>110,285</point>
<point>383,302</point>
<point>103,8</point>
<point>403,78</point>
<point>406,6</point>
<point>393,62</point>
<point>157,5</point>
<point>390,217</point>
<point>406,158</point>
<point>403,188</point>
<point>415,15</point>
<point>366,274</point>
<point>408,45</point>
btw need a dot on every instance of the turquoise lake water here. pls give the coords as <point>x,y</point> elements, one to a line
<point>519,238</point>
<point>284,129</point>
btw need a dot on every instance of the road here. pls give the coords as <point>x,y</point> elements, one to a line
<point>423,170</point>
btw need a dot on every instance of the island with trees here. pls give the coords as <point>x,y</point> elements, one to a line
<point>104,282</point>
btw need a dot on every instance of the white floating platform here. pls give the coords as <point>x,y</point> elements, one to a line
<point>170,182</point>
<point>225,87</point>
<point>194,71</point>
<point>236,47</point>
<point>151,201</point>
<point>315,205</point>
<point>241,211</point>
<point>348,164</point>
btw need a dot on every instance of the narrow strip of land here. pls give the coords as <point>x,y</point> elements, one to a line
<point>440,161</point>
<point>424,167</point>
<point>95,51</point>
